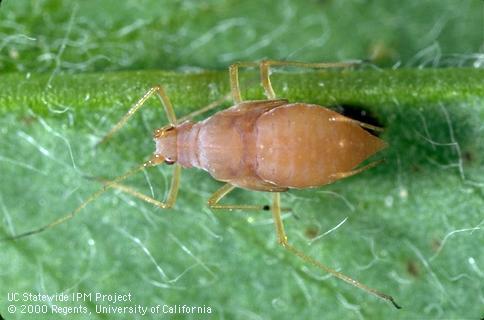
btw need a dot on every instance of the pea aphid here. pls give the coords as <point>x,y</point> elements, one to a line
<point>265,145</point>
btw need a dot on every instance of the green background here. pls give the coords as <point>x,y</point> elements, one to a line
<point>413,225</point>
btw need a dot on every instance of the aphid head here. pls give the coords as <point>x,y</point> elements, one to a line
<point>166,150</point>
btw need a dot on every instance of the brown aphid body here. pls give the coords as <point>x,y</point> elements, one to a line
<point>270,145</point>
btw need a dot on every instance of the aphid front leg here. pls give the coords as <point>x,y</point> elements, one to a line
<point>282,239</point>
<point>213,201</point>
<point>170,197</point>
<point>266,64</point>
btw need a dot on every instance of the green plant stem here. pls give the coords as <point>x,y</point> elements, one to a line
<point>99,91</point>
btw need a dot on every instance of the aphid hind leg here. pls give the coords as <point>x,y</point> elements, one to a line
<point>282,239</point>
<point>165,101</point>
<point>266,64</point>
<point>213,201</point>
<point>170,197</point>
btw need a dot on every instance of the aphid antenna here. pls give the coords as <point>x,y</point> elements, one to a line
<point>72,214</point>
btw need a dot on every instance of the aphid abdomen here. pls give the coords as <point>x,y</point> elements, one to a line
<point>302,145</point>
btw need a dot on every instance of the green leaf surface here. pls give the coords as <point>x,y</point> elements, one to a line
<point>411,227</point>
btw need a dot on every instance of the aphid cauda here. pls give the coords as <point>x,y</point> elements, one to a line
<point>265,145</point>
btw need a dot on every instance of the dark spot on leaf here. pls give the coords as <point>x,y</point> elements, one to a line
<point>311,232</point>
<point>416,168</point>
<point>381,52</point>
<point>28,120</point>
<point>412,268</point>
<point>468,157</point>
<point>436,244</point>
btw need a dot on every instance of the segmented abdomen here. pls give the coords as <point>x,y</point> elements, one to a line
<point>301,145</point>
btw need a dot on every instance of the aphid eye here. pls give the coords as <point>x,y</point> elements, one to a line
<point>169,162</point>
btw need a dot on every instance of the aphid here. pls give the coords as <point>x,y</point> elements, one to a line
<point>265,145</point>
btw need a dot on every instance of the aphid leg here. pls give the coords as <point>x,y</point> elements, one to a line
<point>213,201</point>
<point>266,64</point>
<point>282,239</point>
<point>208,107</point>
<point>341,175</point>
<point>170,197</point>
<point>360,123</point>
<point>234,79</point>
<point>71,215</point>
<point>165,101</point>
